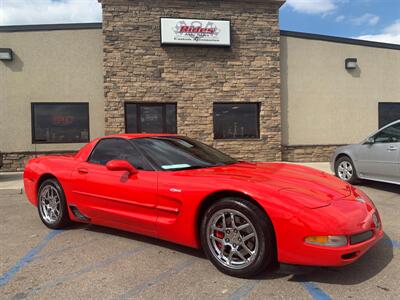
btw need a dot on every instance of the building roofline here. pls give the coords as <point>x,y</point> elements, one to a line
<point>335,39</point>
<point>47,27</point>
<point>295,34</point>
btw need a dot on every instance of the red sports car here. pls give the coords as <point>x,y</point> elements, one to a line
<point>245,216</point>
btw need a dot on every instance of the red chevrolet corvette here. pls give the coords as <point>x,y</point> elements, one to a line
<point>245,216</point>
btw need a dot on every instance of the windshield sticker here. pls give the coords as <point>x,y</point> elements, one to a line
<point>177,166</point>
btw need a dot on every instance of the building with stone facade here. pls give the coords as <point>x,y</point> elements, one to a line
<point>270,95</point>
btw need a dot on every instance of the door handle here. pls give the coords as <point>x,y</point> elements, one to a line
<point>83,171</point>
<point>392,148</point>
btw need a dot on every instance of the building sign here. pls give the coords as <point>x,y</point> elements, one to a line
<point>195,32</point>
<point>62,120</point>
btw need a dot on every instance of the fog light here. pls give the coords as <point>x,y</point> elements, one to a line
<point>329,240</point>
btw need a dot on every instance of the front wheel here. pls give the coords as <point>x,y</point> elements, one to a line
<point>237,237</point>
<point>52,206</point>
<point>345,170</point>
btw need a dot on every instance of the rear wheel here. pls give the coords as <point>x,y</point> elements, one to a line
<point>345,170</point>
<point>237,237</point>
<point>52,206</point>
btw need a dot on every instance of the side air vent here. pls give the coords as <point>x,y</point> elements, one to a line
<point>78,214</point>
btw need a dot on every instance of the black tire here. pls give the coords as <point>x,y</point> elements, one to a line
<point>265,255</point>
<point>62,219</point>
<point>345,160</point>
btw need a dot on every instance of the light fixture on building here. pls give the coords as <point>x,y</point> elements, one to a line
<point>6,54</point>
<point>350,63</point>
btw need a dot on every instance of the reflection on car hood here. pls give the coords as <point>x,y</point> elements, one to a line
<point>289,179</point>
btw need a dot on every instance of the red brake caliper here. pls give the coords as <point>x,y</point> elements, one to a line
<point>219,235</point>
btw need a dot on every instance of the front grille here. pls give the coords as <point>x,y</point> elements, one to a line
<point>361,237</point>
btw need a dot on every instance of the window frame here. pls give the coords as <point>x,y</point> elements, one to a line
<point>380,104</point>
<point>138,115</point>
<point>143,156</point>
<point>383,129</point>
<point>258,137</point>
<point>34,141</point>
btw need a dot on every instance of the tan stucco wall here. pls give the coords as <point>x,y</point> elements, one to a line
<point>49,66</point>
<point>323,103</point>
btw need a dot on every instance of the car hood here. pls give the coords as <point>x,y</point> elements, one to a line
<point>311,187</point>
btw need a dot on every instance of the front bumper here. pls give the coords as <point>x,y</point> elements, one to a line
<point>332,161</point>
<point>294,250</point>
<point>327,256</point>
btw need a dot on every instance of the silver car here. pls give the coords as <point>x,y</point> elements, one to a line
<point>376,158</point>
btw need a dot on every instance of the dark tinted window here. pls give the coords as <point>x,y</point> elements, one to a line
<point>150,118</point>
<point>236,120</point>
<point>60,122</point>
<point>390,134</point>
<point>109,149</point>
<point>388,113</point>
<point>174,153</point>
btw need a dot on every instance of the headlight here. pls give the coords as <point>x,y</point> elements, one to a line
<point>376,221</point>
<point>327,240</point>
<point>363,197</point>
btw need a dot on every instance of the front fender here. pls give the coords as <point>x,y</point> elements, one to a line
<point>349,151</point>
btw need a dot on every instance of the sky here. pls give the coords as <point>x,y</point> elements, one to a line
<point>375,20</point>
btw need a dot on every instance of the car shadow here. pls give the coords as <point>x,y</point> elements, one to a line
<point>387,187</point>
<point>145,239</point>
<point>368,266</point>
<point>270,274</point>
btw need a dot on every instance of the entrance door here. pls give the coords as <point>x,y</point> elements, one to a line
<point>150,117</point>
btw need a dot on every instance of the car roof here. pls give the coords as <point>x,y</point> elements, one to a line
<point>85,151</point>
<point>136,135</point>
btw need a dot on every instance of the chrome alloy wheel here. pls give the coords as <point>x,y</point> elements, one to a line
<point>345,170</point>
<point>50,204</point>
<point>232,238</point>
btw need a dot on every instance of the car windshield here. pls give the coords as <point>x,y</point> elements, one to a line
<point>181,153</point>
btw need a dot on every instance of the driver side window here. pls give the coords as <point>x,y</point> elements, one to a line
<point>390,134</point>
<point>115,148</point>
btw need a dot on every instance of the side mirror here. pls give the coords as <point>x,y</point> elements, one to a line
<point>370,141</point>
<point>121,165</point>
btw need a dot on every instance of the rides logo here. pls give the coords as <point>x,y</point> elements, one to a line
<point>196,31</point>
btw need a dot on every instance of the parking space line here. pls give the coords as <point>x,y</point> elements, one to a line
<point>243,290</point>
<point>64,278</point>
<point>156,280</point>
<point>7,276</point>
<point>394,244</point>
<point>315,292</point>
<point>58,251</point>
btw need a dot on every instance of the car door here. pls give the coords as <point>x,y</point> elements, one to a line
<point>116,198</point>
<point>378,158</point>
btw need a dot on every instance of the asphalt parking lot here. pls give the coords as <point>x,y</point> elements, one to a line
<point>91,262</point>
